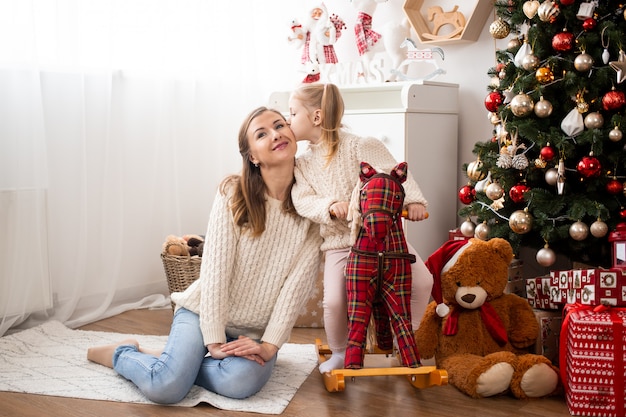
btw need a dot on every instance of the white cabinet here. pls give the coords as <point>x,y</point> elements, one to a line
<point>418,123</point>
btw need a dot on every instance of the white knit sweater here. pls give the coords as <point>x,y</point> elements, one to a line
<point>319,186</point>
<point>253,286</point>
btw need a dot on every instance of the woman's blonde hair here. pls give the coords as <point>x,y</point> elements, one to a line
<point>248,198</point>
<point>327,98</point>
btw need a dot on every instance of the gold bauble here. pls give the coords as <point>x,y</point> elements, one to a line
<point>530,62</point>
<point>521,222</point>
<point>482,231</point>
<point>499,29</point>
<point>583,62</point>
<point>474,170</point>
<point>598,229</point>
<point>544,75</point>
<point>522,105</point>
<point>548,11</point>
<point>594,120</point>
<point>494,191</point>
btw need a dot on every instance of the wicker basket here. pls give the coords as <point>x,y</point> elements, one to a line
<point>180,271</point>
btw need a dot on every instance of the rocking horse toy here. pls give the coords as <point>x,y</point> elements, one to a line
<point>378,283</point>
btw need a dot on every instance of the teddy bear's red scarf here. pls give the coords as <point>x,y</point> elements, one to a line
<point>489,316</point>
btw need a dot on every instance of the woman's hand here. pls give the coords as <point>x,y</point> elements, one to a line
<point>247,348</point>
<point>416,212</point>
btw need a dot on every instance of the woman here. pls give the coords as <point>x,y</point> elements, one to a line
<point>259,265</point>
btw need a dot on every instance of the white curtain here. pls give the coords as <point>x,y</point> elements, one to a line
<point>118,118</point>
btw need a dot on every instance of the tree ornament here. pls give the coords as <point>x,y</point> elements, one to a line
<point>543,108</point>
<point>573,123</point>
<point>481,185</point>
<point>513,44</point>
<point>622,213</point>
<point>482,231</point>
<point>540,163</point>
<point>594,120</point>
<point>589,167</point>
<point>614,187</point>
<point>530,62</point>
<point>499,29</point>
<point>585,11</point>
<point>530,8</point>
<point>563,41</point>
<point>545,256</point>
<point>522,105</point>
<point>613,100</point>
<point>583,62</point>
<point>467,228</point>
<point>560,179</point>
<point>467,194</point>
<point>547,153</point>
<point>579,231</point>
<point>517,192</point>
<point>521,221</point>
<point>590,24</point>
<point>494,191</point>
<point>524,50</point>
<point>493,100</point>
<point>544,75</point>
<point>598,228</point>
<point>474,170</point>
<point>567,2</point>
<point>615,135</point>
<point>620,67</point>
<point>551,176</point>
<point>548,11</point>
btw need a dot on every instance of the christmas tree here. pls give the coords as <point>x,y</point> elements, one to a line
<point>552,176</point>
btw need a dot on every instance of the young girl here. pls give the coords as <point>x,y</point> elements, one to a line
<point>258,268</point>
<point>326,174</point>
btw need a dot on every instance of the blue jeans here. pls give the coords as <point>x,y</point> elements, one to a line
<point>168,378</point>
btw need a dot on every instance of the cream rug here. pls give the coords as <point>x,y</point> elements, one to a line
<point>51,359</point>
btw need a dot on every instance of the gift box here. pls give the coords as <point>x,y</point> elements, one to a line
<point>539,293</point>
<point>547,343</point>
<point>593,286</point>
<point>592,359</point>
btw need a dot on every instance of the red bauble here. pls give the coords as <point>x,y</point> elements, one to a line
<point>547,153</point>
<point>517,192</point>
<point>563,41</point>
<point>493,100</point>
<point>567,2</point>
<point>467,194</point>
<point>622,214</point>
<point>589,167</point>
<point>613,100</point>
<point>614,187</point>
<point>589,24</point>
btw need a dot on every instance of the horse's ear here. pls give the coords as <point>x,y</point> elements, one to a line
<point>367,171</point>
<point>399,172</point>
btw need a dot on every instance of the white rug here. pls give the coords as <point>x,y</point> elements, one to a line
<point>51,359</point>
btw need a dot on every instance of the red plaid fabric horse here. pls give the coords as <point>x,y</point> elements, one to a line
<point>378,272</point>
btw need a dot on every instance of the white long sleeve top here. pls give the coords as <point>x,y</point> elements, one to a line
<point>253,286</point>
<point>318,186</point>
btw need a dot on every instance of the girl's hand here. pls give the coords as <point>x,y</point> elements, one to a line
<point>250,349</point>
<point>339,210</point>
<point>416,212</point>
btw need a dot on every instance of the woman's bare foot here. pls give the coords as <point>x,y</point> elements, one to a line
<point>104,354</point>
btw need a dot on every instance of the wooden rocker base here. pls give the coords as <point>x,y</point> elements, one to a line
<point>422,377</point>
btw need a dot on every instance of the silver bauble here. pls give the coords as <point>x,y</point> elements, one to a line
<point>522,105</point>
<point>594,120</point>
<point>598,228</point>
<point>530,62</point>
<point>543,108</point>
<point>583,62</point>
<point>546,256</point>
<point>494,191</point>
<point>579,231</point>
<point>615,135</point>
<point>551,176</point>
<point>482,231</point>
<point>521,222</point>
<point>467,228</point>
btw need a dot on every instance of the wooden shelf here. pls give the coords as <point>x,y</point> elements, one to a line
<point>470,32</point>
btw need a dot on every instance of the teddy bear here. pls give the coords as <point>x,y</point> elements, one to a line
<point>480,335</point>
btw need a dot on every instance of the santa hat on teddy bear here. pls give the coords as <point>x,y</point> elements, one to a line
<point>439,262</point>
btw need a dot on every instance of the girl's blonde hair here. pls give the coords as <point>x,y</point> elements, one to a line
<point>327,98</point>
<point>248,198</point>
